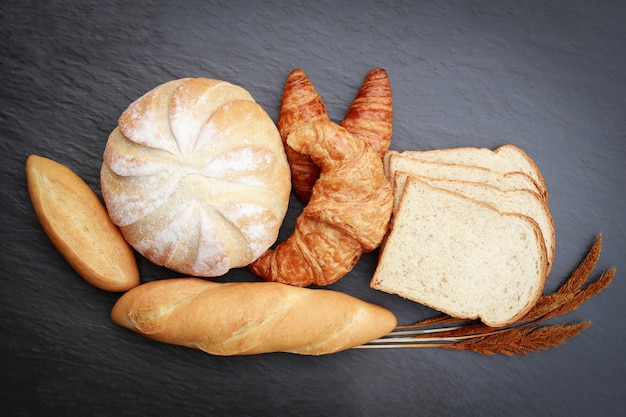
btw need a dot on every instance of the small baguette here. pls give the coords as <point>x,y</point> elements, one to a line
<point>245,318</point>
<point>79,226</point>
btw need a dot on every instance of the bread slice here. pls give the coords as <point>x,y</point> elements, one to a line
<point>523,202</point>
<point>462,256</point>
<point>504,159</point>
<point>523,162</point>
<point>503,181</point>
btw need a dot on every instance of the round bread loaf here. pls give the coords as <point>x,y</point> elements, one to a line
<point>196,177</point>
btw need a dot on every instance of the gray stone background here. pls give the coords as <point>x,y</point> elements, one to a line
<point>548,76</point>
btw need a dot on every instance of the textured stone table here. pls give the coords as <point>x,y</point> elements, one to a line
<point>549,77</point>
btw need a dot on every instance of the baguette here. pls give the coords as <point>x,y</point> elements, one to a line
<point>79,227</point>
<point>245,318</point>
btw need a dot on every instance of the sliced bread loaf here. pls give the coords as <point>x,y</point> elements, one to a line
<point>504,181</point>
<point>524,202</point>
<point>462,256</point>
<point>523,162</point>
<point>504,159</point>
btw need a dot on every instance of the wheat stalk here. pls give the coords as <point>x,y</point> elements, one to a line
<point>525,335</point>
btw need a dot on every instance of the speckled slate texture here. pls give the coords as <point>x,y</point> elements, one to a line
<point>549,77</point>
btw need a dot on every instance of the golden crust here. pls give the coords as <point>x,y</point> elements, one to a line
<point>245,318</point>
<point>368,118</point>
<point>370,115</point>
<point>79,227</point>
<point>300,104</point>
<point>347,215</point>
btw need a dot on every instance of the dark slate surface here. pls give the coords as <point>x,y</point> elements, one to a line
<point>547,76</point>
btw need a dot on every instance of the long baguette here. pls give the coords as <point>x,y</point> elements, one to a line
<point>244,318</point>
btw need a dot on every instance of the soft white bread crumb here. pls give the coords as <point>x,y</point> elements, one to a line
<point>524,202</point>
<point>461,256</point>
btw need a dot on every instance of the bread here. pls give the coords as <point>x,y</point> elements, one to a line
<point>369,118</point>
<point>505,159</point>
<point>300,104</point>
<point>504,181</point>
<point>347,215</point>
<point>370,114</point>
<point>506,178</point>
<point>196,177</point>
<point>461,256</point>
<point>522,162</point>
<point>523,202</point>
<point>244,318</point>
<point>79,227</point>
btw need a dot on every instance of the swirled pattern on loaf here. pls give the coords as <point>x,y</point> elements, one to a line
<point>196,177</point>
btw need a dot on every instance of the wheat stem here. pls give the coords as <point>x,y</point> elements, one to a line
<point>518,338</point>
<point>422,331</point>
<point>390,339</point>
<point>396,346</point>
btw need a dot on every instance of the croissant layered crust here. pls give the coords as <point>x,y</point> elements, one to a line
<point>300,104</point>
<point>196,177</point>
<point>347,215</point>
<point>370,115</point>
<point>368,118</point>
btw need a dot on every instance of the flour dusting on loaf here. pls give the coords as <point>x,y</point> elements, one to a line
<point>195,175</point>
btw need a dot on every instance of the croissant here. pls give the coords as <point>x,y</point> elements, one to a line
<point>300,104</point>
<point>370,115</point>
<point>369,118</point>
<point>245,318</point>
<point>347,215</point>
